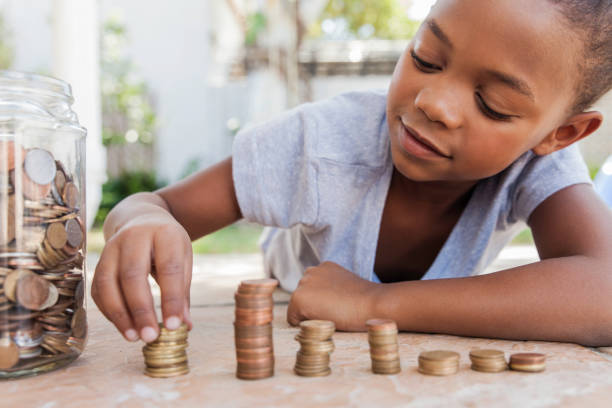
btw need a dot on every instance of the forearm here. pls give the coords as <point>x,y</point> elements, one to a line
<point>562,299</point>
<point>201,203</point>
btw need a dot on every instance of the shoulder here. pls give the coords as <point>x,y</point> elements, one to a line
<point>531,179</point>
<point>350,128</point>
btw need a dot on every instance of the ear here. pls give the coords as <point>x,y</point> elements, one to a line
<point>575,128</point>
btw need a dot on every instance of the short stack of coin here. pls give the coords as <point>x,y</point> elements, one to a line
<point>253,329</point>
<point>528,362</point>
<point>384,348</point>
<point>439,362</point>
<point>488,361</point>
<point>167,355</point>
<point>316,345</point>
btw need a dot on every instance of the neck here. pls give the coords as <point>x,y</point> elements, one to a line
<point>437,196</point>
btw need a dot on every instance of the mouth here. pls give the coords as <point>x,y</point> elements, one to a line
<point>416,144</point>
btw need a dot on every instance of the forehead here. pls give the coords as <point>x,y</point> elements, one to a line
<point>524,38</point>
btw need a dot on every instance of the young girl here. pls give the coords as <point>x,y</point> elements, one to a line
<point>418,188</point>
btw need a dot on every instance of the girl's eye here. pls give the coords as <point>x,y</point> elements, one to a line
<point>423,65</point>
<point>490,112</point>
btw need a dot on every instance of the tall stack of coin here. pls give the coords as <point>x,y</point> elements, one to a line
<point>528,362</point>
<point>167,356</point>
<point>41,260</point>
<point>439,362</point>
<point>316,345</point>
<point>253,329</point>
<point>384,348</point>
<point>488,361</point>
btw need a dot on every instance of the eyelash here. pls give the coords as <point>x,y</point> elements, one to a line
<point>428,68</point>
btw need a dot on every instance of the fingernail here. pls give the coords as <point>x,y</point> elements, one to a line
<point>148,334</point>
<point>131,335</point>
<point>173,323</point>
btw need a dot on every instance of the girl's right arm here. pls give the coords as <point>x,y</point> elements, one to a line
<point>152,233</point>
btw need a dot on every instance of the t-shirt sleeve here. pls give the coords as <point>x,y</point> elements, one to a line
<point>543,176</point>
<point>274,173</point>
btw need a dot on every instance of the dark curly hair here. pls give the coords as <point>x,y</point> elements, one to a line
<point>592,21</point>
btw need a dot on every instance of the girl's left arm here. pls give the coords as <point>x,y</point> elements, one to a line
<point>566,296</point>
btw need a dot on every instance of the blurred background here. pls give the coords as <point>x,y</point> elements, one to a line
<point>163,87</point>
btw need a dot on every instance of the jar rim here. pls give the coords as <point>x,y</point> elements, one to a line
<point>35,82</point>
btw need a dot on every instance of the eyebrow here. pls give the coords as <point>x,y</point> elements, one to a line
<point>506,79</point>
<point>435,28</point>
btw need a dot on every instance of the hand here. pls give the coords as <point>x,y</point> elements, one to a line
<point>120,287</point>
<point>330,292</point>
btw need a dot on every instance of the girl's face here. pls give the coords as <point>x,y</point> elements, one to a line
<point>481,83</point>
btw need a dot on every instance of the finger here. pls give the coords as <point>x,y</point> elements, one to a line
<point>106,293</point>
<point>134,267</point>
<point>292,313</point>
<point>169,250</point>
<point>188,272</point>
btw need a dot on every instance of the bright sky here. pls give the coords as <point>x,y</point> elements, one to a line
<point>420,8</point>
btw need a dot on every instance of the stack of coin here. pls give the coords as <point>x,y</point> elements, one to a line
<point>167,355</point>
<point>42,241</point>
<point>253,329</point>
<point>528,362</point>
<point>439,362</point>
<point>316,345</point>
<point>488,361</point>
<point>384,348</point>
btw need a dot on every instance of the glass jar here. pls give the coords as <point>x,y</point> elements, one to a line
<point>43,323</point>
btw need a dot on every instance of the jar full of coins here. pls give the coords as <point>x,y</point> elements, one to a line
<point>43,323</point>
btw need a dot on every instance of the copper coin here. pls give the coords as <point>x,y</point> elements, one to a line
<point>60,180</point>
<point>31,190</point>
<point>10,283</point>
<point>56,235</point>
<point>381,325</point>
<point>75,233</point>
<point>71,195</point>
<point>9,353</point>
<point>7,219</point>
<point>32,291</point>
<point>11,154</point>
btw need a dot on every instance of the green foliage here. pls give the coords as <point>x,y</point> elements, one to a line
<point>127,113</point>
<point>115,190</point>
<point>236,238</point>
<point>384,19</point>
<point>7,53</point>
<point>255,25</point>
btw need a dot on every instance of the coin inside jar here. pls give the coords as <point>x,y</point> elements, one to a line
<point>74,233</point>
<point>39,165</point>
<point>56,235</point>
<point>70,195</point>
<point>9,353</point>
<point>7,219</point>
<point>33,292</point>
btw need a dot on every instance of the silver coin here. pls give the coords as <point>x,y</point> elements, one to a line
<point>75,233</point>
<point>40,167</point>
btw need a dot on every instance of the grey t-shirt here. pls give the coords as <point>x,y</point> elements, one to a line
<point>319,176</point>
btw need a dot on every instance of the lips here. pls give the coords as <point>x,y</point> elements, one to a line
<point>422,141</point>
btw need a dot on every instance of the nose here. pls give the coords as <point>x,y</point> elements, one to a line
<point>440,105</point>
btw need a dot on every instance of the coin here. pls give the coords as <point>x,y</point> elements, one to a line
<point>438,362</point>
<point>40,166</point>
<point>74,232</point>
<point>384,348</point>
<point>56,235</point>
<point>528,362</point>
<point>7,219</point>
<point>488,361</point>
<point>9,353</point>
<point>166,356</point>
<point>11,155</point>
<point>316,345</point>
<point>71,195</point>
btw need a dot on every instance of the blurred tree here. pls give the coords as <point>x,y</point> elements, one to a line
<point>126,111</point>
<point>363,19</point>
<point>7,53</point>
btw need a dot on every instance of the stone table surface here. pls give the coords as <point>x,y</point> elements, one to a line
<point>110,371</point>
